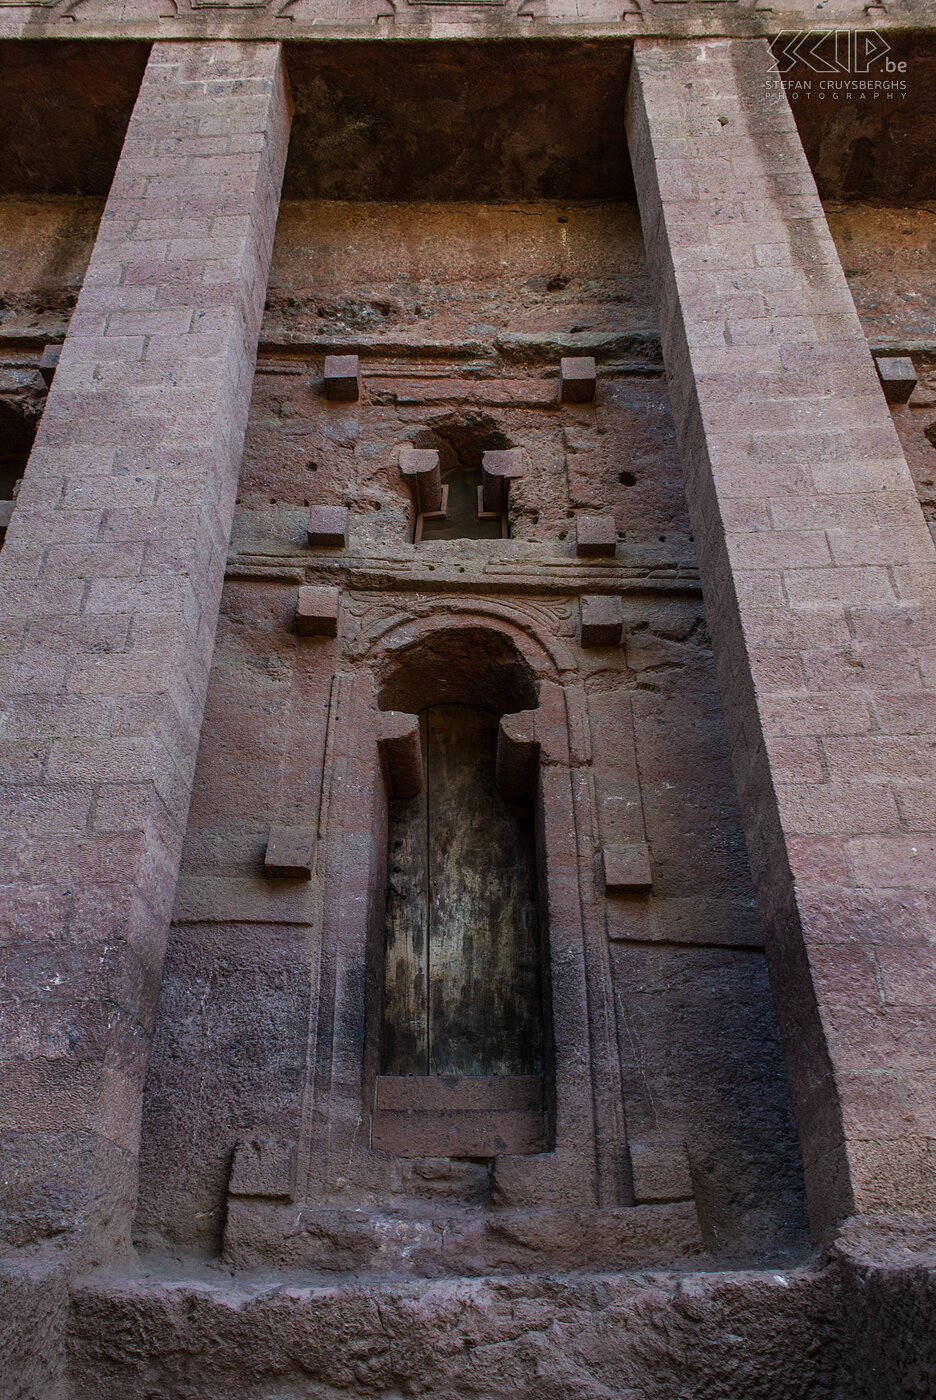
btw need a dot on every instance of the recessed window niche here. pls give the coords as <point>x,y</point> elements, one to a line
<point>462,1053</point>
<point>461,444</point>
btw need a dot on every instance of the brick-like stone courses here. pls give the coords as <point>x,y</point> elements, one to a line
<point>111,580</point>
<point>819,580</point>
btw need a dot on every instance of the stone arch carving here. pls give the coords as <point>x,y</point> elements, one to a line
<point>341,1167</point>
<point>464,1038</point>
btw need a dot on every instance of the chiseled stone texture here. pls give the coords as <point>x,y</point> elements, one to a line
<point>819,581</point>
<point>112,575</point>
<point>647,1336</point>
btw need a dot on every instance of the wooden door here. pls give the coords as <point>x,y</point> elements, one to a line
<point>462,991</point>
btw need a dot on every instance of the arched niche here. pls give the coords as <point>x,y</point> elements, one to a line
<point>474,665</point>
<point>463,1021</point>
<point>461,441</point>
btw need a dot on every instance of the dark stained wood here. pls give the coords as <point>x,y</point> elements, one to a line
<point>405,1028</point>
<point>448,1116</point>
<point>462,976</point>
<point>484,976</point>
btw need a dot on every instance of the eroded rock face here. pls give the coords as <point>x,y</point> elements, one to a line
<point>856,1322</point>
<point>431,1276</point>
<point>594,1337</point>
<point>462,360</point>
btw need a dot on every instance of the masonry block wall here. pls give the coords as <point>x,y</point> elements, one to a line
<point>819,576</point>
<point>721,718</point>
<point>112,572</point>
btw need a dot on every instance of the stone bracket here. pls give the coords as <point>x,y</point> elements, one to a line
<point>601,620</point>
<point>48,362</point>
<point>577,379</point>
<point>317,611</point>
<point>518,755</point>
<point>328,527</point>
<point>898,377</point>
<point>595,535</point>
<point>660,1172</point>
<point>419,467</point>
<point>342,378</point>
<point>498,470</point>
<point>264,1167</point>
<point>400,747</point>
<point>626,868</point>
<point>290,852</point>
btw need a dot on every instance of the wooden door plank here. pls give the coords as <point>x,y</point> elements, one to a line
<point>405,1048</point>
<point>484,976</point>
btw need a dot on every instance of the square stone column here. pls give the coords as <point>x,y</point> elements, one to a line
<point>819,577</point>
<point>111,580</point>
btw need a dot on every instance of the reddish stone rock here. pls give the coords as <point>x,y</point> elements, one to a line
<point>317,612</point>
<point>328,526</point>
<point>577,379</point>
<point>898,377</point>
<point>595,535</point>
<point>342,378</point>
<point>602,618</point>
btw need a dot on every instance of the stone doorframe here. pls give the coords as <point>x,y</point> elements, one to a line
<point>338,1177</point>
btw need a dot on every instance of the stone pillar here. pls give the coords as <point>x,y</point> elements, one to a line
<point>818,573</point>
<point>111,581</point>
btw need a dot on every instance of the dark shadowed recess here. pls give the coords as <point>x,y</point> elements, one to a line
<point>64,109</point>
<point>491,120</point>
<point>875,148</point>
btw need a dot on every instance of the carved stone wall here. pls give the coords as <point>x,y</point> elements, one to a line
<point>659,1245</point>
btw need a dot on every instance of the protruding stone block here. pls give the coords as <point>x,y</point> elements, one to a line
<point>401,750</point>
<point>626,868</point>
<point>595,535</point>
<point>602,620</point>
<point>290,852</point>
<point>6,513</point>
<point>328,526</point>
<point>48,362</point>
<point>342,378</point>
<point>577,379</point>
<point>518,755</point>
<point>498,470</point>
<point>660,1172</point>
<point>263,1167</point>
<point>317,612</point>
<point>419,466</point>
<point>898,377</point>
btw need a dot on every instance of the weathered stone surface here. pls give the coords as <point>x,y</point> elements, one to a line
<point>601,620</point>
<point>897,376</point>
<point>794,513</point>
<point>125,508</point>
<point>258,1140</point>
<point>763,1334</point>
<point>317,612</point>
<point>328,527</point>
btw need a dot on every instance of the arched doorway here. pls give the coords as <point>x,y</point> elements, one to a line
<point>463,1043</point>
<point>462,993</point>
